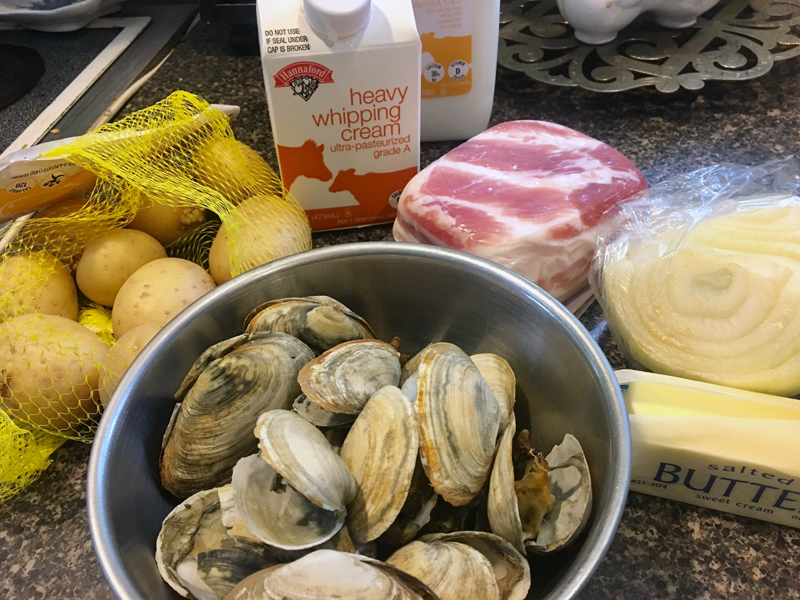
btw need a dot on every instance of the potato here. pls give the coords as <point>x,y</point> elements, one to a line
<point>109,259</point>
<point>120,356</point>
<point>157,292</point>
<point>37,282</point>
<point>273,229</point>
<point>50,370</point>
<point>166,223</point>
<point>233,169</point>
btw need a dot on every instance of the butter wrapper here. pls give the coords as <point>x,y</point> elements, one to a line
<point>714,446</point>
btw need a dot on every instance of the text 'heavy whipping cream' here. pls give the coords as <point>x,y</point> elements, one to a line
<point>343,86</point>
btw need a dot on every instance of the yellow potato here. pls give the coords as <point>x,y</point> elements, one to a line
<point>273,229</point>
<point>37,282</point>
<point>120,356</point>
<point>109,259</point>
<point>50,370</point>
<point>233,169</point>
<point>157,292</point>
<point>166,223</point>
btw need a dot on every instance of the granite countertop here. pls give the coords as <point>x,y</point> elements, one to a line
<point>662,549</point>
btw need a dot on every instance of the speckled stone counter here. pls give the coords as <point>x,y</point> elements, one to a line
<point>662,549</point>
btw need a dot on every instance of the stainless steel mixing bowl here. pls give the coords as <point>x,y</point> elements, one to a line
<point>419,293</point>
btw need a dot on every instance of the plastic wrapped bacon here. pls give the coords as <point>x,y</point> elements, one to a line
<point>701,277</point>
<point>524,194</point>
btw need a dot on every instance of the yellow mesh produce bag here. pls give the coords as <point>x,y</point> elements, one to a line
<point>25,454</point>
<point>179,153</point>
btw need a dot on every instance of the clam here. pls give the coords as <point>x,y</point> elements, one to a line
<point>342,379</point>
<point>412,364</point>
<point>500,377</point>
<point>230,385</point>
<point>459,419</point>
<point>380,450</point>
<point>304,458</point>
<point>319,321</point>
<point>511,570</point>
<point>316,415</point>
<point>196,556</point>
<point>453,570</point>
<point>275,512</point>
<point>327,574</point>
<point>550,505</point>
<point>238,530</point>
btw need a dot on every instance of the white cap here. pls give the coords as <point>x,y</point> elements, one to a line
<point>337,19</point>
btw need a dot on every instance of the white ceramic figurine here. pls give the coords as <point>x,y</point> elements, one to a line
<point>599,21</point>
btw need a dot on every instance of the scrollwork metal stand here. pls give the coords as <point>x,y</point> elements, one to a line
<point>736,40</point>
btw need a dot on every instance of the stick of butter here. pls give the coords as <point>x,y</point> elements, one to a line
<point>714,446</point>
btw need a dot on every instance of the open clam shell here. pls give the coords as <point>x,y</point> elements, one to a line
<point>327,574</point>
<point>565,504</point>
<point>301,454</point>
<point>344,378</point>
<point>380,450</point>
<point>511,569</point>
<point>571,486</point>
<point>277,513</point>
<point>196,556</point>
<point>502,381</point>
<point>319,321</point>
<point>459,419</point>
<point>453,570</point>
<point>213,425</point>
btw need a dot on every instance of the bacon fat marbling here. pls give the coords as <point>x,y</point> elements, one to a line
<point>525,194</point>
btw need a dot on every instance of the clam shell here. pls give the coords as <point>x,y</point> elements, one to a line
<point>502,507</point>
<point>319,321</point>
<point>511,569</point>
<point>316,415</point>
<point>412,364</point>
<point>572,488</point>
<point>275,512</point>
<point>176,539</point>
<point>222,569</point>
<point>502,381</point>
<point>459,419</point>
<point>193,543</point>
<point>342,379</point>
<point>238,381</point>
<point>380,450</point>
<point>328,574</point>
<point>454,571</point>
<point>301,454</point>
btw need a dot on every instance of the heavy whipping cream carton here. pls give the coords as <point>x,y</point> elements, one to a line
<point>343,86</point>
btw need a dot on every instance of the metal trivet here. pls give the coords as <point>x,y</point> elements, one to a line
<point>735,40</point>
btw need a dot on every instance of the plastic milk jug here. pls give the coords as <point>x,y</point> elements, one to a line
<point>459,63</point>
<point>343,87</point>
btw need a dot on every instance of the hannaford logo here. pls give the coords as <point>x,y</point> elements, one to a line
<point>303,77</point>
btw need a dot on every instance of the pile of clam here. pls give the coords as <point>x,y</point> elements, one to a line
<point>357,453</point>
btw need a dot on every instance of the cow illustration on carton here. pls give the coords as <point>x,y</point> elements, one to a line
<point>306,160</point>
<point>369,186</point>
